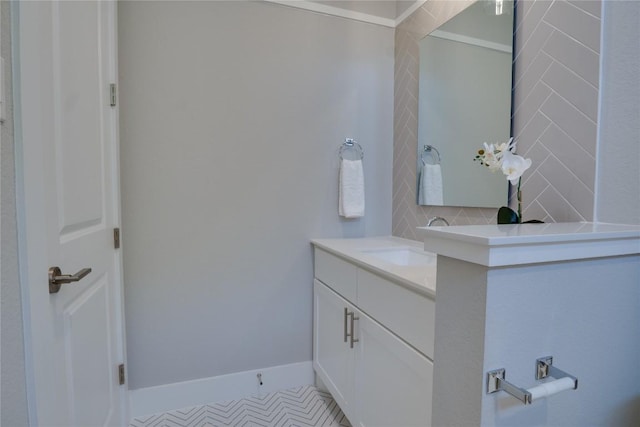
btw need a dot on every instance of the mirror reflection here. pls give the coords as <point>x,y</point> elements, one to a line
<point>464,100</point>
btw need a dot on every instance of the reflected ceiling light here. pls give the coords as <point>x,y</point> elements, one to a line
<point>498,7</point>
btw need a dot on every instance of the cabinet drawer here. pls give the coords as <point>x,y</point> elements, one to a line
<point>408,314</point>
<point>339,275</point>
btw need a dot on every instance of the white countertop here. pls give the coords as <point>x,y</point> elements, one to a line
<point>499,245</point>
<point>421,278</point>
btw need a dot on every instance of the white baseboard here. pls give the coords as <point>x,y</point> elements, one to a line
<point>152,400</point>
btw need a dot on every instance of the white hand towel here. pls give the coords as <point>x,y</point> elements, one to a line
<point>351,190</point>
<point>430,191</point>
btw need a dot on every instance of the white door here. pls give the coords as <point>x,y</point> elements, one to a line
<point>74,340</point>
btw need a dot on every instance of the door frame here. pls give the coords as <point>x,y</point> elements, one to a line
<point>26,224</point>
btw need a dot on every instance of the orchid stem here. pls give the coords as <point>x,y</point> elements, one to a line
<point>519,194</point>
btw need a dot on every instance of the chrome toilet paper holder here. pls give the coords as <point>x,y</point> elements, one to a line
<point>544,369</point>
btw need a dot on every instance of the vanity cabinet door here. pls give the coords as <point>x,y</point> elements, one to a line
<point>333,358</point>
<point>394,382</point>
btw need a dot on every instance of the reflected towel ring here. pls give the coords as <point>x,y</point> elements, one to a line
<point>348,144</point>
<point>428,149</point>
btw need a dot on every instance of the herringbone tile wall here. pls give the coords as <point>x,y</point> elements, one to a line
<point>302,406</point>
<point>555,111</point>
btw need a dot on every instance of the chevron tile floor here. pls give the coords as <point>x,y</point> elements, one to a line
<point>298,407</point>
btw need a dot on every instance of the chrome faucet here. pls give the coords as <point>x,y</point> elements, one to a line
<point>436,218</point>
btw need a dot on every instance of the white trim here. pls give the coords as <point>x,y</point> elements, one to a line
<point>516,244</point>
<point>21,216</point>
<point>167,397</point>
<point>415,6</point>
<point>471,40</point>
<point>336,11</point>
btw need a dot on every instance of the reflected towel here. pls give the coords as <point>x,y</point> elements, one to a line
<point>351,190</point>
<point>430,185</point>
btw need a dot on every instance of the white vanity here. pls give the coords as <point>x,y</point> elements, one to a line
<point>374,313</point>
<point>508,297</point>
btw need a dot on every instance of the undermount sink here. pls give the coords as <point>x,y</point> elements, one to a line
<point>402,256</point>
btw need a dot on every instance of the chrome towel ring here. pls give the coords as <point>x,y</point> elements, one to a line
<point>351,144</point>
<point>429,149</point>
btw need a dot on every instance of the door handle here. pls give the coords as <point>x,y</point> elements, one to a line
<point>57,279</point>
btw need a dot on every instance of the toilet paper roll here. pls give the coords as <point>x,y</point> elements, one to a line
<point>550,388</point>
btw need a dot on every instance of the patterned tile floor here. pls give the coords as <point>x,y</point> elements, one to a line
<point>302,406</point>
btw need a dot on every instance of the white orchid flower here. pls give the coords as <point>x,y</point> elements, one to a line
<point>490,158</point>
<point>502,148</point>
<point>513,166</point>
<point>501,156</point>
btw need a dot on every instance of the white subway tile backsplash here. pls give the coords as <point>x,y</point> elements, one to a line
<point>575,22</point>
<point>532,47</point>
<point>570,154</point>
<point>535,183</point>
<point>579,195</point>
<point>530,72</point>
<point>530,16</point>
<point>558,208</point>
<point>574,55</point>
<point>534,210</point>
<point>527,104</point>
<point>570,86</point>
<point>575,124</point>
<point>538,154</point>
<point>592,7</point>
<point>530,132</point>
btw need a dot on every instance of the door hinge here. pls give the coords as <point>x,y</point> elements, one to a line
<point>121,378</point>
<point>112,94</point>
<point>116,238</point>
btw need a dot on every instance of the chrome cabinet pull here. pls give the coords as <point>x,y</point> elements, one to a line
<point>351,334</point>
<point>346,314</point>
<point>353,319</point>
<point>57,279</point>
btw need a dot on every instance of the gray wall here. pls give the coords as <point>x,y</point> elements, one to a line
<point>13,388</point>
<point>618,176</point>
<point>232,114</point>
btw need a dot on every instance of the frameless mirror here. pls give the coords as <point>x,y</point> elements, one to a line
<point>464,100</point>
